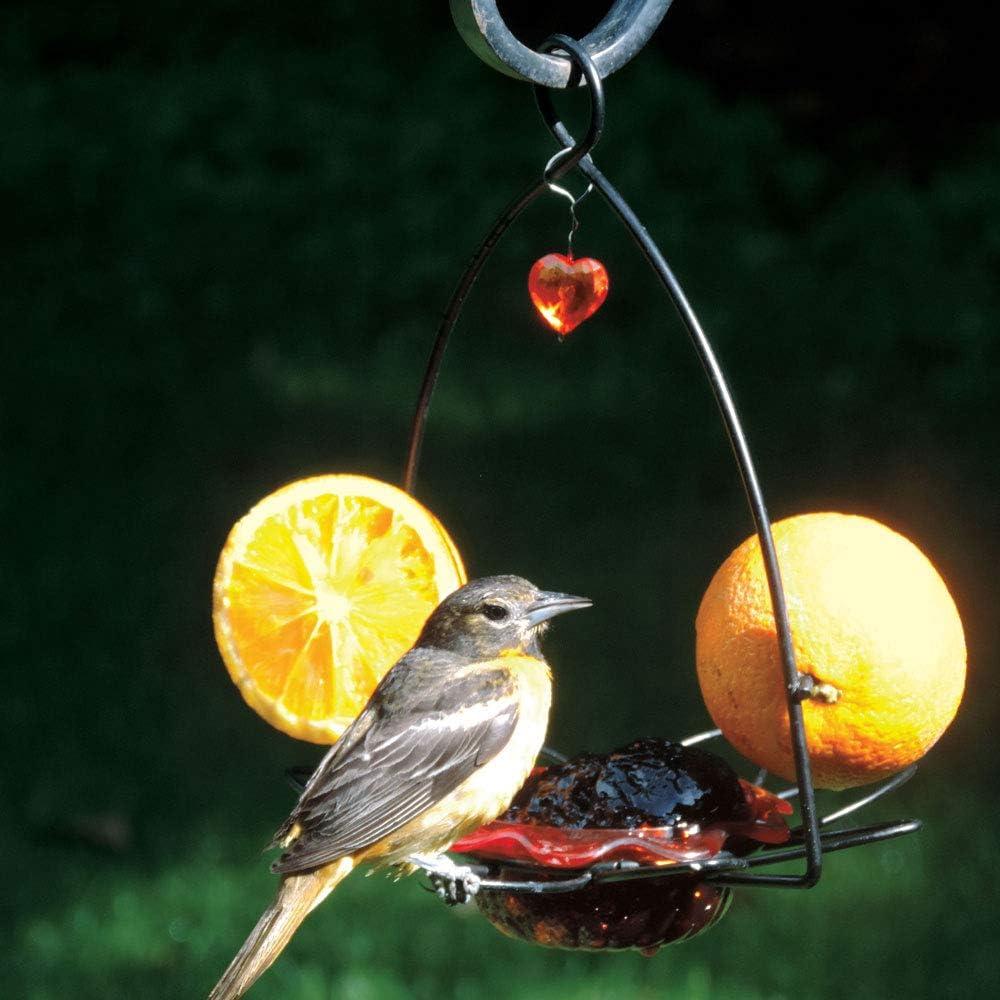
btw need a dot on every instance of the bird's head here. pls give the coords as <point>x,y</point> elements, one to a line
<point>495,614</point>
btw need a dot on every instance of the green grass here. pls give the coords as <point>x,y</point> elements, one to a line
<point>167,928</point>
<point>228,264</point>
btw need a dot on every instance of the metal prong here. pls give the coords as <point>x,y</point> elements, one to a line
<point>892,784</point>
<point>709,734</point>
<point>553,756</point>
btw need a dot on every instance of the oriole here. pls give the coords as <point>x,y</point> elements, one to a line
<point>443,745</point>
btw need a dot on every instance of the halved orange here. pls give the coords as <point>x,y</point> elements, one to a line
<point>319,590</point>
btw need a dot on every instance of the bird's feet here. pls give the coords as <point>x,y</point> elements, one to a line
<point>454,884</point>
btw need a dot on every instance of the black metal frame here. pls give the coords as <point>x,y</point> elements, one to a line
<point>812,843</point>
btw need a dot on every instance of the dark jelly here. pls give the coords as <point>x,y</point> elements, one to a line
<point>653,801</point>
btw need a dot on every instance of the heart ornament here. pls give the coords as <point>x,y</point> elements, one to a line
<point>566,291</point>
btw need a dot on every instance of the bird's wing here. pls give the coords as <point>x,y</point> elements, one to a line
<point>434,719</point>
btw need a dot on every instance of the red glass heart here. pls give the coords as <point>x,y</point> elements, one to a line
<point>566,291</point>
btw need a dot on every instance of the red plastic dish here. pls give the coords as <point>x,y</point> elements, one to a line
<point>571,848</point>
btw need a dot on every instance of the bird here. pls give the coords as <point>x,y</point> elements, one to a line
<point>444,743</point>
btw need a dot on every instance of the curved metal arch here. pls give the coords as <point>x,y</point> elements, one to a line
<point>574,153</point>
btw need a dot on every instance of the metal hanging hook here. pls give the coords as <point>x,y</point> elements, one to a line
<point>573,152</point>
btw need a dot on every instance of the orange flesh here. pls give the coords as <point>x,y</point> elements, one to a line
<point>319,590</point>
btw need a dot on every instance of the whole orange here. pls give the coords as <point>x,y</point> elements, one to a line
<point>872,622</point>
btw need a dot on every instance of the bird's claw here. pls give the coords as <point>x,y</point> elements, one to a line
<point>455,888</point>
<point>453,884</point>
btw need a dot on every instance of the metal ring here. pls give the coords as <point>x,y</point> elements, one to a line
<point>625,29</point>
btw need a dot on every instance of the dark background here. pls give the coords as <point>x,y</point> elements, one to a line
<point>229,231</point>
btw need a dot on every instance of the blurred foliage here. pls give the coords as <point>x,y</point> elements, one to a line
<point>231,230</point>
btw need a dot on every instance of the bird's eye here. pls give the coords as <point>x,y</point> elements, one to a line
<point>496,613</point>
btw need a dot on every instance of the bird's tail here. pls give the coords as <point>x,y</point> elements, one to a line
<point>298,895</point>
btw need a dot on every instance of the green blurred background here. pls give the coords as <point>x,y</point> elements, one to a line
<point>229,232</point>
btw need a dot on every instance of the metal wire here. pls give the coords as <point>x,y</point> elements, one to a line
<point>744,461</point>
<point>563,192</point>
<point>577,152</point>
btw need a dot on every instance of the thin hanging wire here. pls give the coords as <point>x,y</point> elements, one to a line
<point>560,190</point>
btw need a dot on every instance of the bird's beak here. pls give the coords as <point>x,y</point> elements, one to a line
<point>548,604</point>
